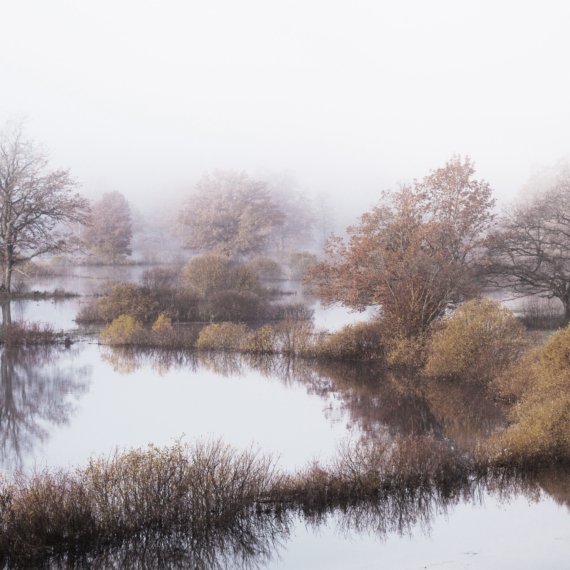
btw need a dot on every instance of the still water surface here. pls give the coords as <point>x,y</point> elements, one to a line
<point>57,406</point>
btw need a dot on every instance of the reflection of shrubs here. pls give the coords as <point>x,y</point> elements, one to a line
<point>266,268</point>
<point>122,331</point>
<point>479,341</point>
<point>128,299</point>
<point>299,261</point>
<point>207,274</point>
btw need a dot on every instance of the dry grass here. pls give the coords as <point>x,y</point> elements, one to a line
<point>26,333</point>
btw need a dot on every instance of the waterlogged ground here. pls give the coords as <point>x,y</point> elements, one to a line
<point>58,406</point>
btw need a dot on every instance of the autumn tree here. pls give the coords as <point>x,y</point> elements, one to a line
<point>529,253</point>
<point>415,253</point>
<point>38,206</point>
<point>230,215</point>
<point>110,231</point>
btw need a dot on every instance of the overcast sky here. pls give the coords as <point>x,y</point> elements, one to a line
<point>144,96</point>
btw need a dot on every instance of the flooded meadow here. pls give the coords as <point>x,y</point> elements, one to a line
<point>62,405</point>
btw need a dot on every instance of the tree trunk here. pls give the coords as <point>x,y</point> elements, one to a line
<point>6,314</point>
<point>566,302</point>
<point>7,277</point>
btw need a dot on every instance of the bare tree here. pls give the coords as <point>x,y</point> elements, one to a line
<point>325,217</point>
<point>37,206</point>
<point>299,218</point>
<point>530,251</point>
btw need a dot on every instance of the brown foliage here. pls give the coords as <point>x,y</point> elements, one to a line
<point>206,274</point>
<point>266,268</point>
<point>414,254</point>
<point>27,333</point>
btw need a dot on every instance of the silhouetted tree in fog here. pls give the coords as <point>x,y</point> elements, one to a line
<point>530,251</point>
<point>37,205</point>
<point>110,232</point>
<point>230,215</point>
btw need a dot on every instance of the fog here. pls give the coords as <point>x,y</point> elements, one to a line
<point>144,96</point>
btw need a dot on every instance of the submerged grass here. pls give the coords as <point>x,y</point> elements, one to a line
<point>26,333</point>
<point>206,486</point>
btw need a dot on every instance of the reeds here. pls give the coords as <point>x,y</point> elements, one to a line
<point>26,333</point>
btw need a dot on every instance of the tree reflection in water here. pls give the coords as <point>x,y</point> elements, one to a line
<point>258,537</point>
<point>374,402</point>
<point>36,383</point>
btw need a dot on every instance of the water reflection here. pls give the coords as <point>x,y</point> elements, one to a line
<point>372,401</point>
<point>260,537</point>
<point>35,388</point>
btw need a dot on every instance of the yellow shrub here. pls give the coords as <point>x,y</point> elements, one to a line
<point>122,330</point>
<point>128,299</point>
<point>206,274</point>
<point>162,325</point>
<point>228,336</point>
<point>360,341</point>
<point>295,337</point>
<point>479,341</point>
<point>556,354</point>
<point>406,352</point>
<point>261,341</point>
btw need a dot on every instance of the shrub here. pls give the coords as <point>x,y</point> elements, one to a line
<point>128,299</point>
<point>159,278</point>
<point>478,341</point>
<point>232,306</point>
<point>360,341</point>
<point>243,278</point>
<point>406,352</point>
<point>299,261</point>
<point>540,420</point>
<point>123,330</point>
<point>295,337</point>
<point>206,275</point>
<point>224,336</point>
<point>297,311</point>
<point>27,333</point>
<point>260,341</point>
<point>162,325</point>
<point>266,268</point>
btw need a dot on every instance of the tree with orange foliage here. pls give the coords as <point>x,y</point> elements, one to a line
<point>414,254</point>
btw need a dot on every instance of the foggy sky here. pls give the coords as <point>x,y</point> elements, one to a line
<point>144,96</point>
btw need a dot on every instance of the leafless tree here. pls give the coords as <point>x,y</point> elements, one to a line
<point>530,251</point>
<point>325,217</point>
<point>37,205</point>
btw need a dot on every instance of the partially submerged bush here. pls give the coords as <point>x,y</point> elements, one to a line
<point>206,274</point>
<point>159,278</point>
<point>162,325</point>
<point>233,306</point>
<point>266,268</point>
<point>243,278</point>
<point>128,299</point>
<point>122,331</point>
<point>260,341</point>
<point>540,420</point>
<point>299,261</point>
<point>360,341</point>
<point>478,341</point>
<point>27,333</point>
<point>224,336</point>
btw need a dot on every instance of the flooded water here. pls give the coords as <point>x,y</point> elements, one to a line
<point>58,406</point>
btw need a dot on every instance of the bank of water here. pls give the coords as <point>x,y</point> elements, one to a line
<point>58,406</point>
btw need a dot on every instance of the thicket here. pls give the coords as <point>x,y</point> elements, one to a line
<point>207,289</point>
<point>26,333</point>
<point>206,486</point>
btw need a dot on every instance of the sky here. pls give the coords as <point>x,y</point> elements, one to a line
<point>145,96</point>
